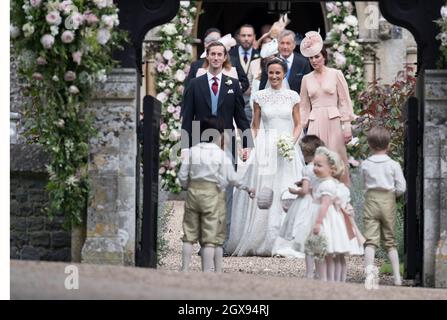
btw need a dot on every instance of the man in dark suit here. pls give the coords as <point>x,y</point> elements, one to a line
<point>211,35</point>
<point>216,94</point>
<point>244,54</point>
<point>297,65</point>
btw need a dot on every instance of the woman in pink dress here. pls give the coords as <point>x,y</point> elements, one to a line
<point>326,107</point>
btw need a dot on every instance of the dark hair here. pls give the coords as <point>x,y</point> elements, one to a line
<point>246,25</point>
<point>324,53</point>
<point>378,138</point>
<point>210,30</point>
<point>279,61</point>
<point>210,129</point>
<point>309,144</point>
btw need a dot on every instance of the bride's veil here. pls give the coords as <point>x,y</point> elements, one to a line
<point>285,84</point>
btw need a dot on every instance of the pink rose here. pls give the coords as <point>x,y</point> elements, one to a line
<point>171,109</point>
<point>54,18</point>
<point>37,76</point>
<point>163,127</point>
<point>77,55</point>
<point>41,61</point>
<point>47,41</point>
<point>70,76</point>
<point>160,67</point>
<point>90,18</point>
<point>162,170</point>
<point>176,115</point>
<point>103,36</point>
<point>35,3</point>
<point>67,36</point>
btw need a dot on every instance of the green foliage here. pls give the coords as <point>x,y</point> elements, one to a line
<point>442,36</point>
<point>382,105</point>
<point>172,66</point>
<point>347,54</point>
<point>60,55</point>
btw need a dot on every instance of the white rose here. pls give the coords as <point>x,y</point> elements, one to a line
<point>351,21</point>
<point>67,36</point>
<point>47,41</point>
<point>444,12</point>
<point>192,10</point>
<point>184,4</point>
<point>162,97</point>
<point>341,49</point>
<point>170,29</point>
<point>14,31</point>
<point>73,90</point>
<point>101,75</point>
<point>109,21</point>
<point>180,76</point>
<point>180,45</point>
<point>54,30</point>
<point>74,21</point>
<point>349,34</point>
<point>103,36</point>
<point>354,86</point>
<point>28,29</point>
<point>101,3</point>
<point>168,54</point>
<point>188,48</point>
<point>174,135</point>
<point>55,78</point>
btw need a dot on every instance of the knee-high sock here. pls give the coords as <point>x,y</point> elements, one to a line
<point>330,268</point>
<point>207,259</point>
<point>394,258</point>
<point>218,253</point>
<point>337,268</point>
<point>369,256</point>
<point>344,268</point>
<point>322,270</point>
<point>186,255</point>
<point>309,267</point>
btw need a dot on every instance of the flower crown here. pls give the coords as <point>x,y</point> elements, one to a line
<point>333,158</point>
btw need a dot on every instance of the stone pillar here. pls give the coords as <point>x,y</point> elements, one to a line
<point>412,57</point>
<point>369,61</point>
<point>435,178</point>
<point>112,172</point>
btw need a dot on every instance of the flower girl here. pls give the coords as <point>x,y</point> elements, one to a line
<point>298,222</point>
<point>327,221</point>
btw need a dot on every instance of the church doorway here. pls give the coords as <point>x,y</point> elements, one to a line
<point>229,16</point>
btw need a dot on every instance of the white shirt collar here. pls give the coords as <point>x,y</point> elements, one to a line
<point>289,59</point>
<point>210,76</point>
<point>242,51</point>
<point>379,158</point>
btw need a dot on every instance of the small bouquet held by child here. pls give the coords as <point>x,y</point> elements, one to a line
<point>285,147</point>
<point>316,246</point>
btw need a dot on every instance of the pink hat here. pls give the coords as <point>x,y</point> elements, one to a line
<point>312,44</point>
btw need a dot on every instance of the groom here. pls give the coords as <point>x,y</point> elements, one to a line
<point>216,94</point>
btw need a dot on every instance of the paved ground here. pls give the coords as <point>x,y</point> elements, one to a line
<point>244,278</point>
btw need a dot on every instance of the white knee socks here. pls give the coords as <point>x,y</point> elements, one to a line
<point>207,259</point>
<point>394,259</point>
<point>330,268</point>
<point>309,267</point>
<point>218,253</point>
<point>322,269</point>
<point>340,268</point>
<point>186,255</point>
<point>369,256</point>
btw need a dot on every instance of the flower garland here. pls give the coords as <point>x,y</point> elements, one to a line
<point>63,48</point>
<point>442,23</point>
<point>347,53</point>
<point>172,66</point>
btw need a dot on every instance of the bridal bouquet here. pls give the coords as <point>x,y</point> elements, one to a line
<point>316,246</point>
<point>285,147</point>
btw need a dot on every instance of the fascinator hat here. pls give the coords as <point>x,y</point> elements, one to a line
<point>269,49</point>
<point>227,40</point>
<point>312,44</point>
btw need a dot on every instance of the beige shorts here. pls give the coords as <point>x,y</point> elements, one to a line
<point>204,219</point>
<point>379,218</point>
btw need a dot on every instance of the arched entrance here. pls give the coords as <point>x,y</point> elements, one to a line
<point>304,17</point>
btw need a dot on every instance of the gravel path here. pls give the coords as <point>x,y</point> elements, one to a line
<point>282,267</point>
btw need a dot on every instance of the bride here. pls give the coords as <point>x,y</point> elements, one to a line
<point>254,231</point>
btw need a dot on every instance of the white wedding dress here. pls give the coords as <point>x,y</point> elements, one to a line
<point>255,231</point>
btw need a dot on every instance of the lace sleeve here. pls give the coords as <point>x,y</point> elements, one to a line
<point>295,97</point>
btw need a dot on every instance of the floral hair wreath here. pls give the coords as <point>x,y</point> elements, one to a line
<point>333,159</point>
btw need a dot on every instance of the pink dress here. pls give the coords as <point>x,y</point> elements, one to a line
<point>323,108</point>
